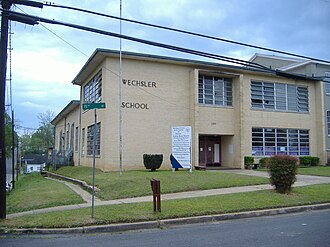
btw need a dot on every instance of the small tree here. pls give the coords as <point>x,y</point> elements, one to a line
<point>283,170</point>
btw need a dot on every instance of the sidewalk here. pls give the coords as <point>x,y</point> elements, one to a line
<point>302,180</point>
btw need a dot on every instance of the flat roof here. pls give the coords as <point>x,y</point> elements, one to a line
<point>66,110</point>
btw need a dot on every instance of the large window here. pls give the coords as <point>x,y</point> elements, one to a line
<point>83,142</point>
<point>71,136</point>
<point>67,141</point>
<point>61,144</point>
<point>93,89</point>
<point>279,96</point>
<point>328,122</point>
<point>215,91</point>
<point>268,141</point>
<point>327,82</point>
<point>90,139</point>
<point>76,140</point>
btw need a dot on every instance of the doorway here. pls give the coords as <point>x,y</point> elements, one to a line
<point>209,151</point>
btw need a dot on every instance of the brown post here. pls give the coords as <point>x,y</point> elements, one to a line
<point>155,186</point>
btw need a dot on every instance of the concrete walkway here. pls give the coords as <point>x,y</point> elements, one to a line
<point>302,180</point>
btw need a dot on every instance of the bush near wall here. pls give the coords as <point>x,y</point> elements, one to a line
<point>263,162</point>
<point>309,161</point>
<point>248,162</point>
<point>283,170</point>
<point>152,161</point>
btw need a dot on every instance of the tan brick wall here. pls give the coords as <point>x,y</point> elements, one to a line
<point>170,94</point>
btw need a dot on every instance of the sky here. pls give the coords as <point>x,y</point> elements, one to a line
<point>45,58</point>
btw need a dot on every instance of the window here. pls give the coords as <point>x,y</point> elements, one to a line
<point>268,141</point>
<point>76,140</point>
<point>90,139</point>
<point>71,136</point>
<point>279,96</point>
<point>328,122</point>
<point>83,142</point>
<point>61,141</point>
<point>67,137</point>
<point>327,82</point>
<point>215,91</point>
<point>93,89</point>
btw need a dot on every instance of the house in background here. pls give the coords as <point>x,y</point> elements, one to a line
<point>308,68</point>
<point>233,111</point>
<point>33,163</point>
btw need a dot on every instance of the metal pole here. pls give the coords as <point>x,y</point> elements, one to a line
<point>18,160</point>
<point>120,101</point>
<point>13,148</point>
<point>93,173</point>
<point>3,69</point>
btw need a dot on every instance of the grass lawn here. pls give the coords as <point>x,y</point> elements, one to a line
<point>34,191</point>
<point>137,183</point>
<point>315,170</point>
<point>175,208</point>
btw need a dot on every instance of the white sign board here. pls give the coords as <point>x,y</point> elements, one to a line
<point>181,147</point>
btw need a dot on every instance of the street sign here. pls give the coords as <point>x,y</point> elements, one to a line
<point>89,106</point>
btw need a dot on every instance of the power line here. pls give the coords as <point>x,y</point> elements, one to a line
<point>35,19</point>
<point>185,32</point>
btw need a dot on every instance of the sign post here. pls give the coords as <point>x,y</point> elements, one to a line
<point>181,148</point>
<point>90,106</point>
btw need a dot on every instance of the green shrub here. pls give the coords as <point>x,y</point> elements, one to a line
<point>315,161</point>
<point>309,161</point>
<point>283,170</point>
<point>248,162</point>
<point>152,161</point>
<point>263,162</point>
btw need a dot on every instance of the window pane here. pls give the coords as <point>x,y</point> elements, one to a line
<point>268,142</point>
<point>214,90</point>
<point>90,139</point>
<point>93,89</point>
<point>292,98</point>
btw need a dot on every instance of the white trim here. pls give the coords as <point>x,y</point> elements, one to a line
<point>275,57</point>
<point>296,65</point>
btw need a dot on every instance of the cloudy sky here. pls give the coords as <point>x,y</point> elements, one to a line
<point>45,58</point>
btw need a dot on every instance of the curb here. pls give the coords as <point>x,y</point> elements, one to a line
<point>113,228</point>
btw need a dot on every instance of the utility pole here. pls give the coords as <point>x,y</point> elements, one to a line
<point>6,4</point>
<point>3,69</point>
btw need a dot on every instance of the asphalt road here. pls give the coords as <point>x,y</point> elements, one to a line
<point>304,229</point>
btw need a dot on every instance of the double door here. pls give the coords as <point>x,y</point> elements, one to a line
<point>209,151</point>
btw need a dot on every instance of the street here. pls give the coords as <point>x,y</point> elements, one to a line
<point>303,229</point>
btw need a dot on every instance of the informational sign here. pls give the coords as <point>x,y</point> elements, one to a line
<point>181,147</point>
<point>89,106</point>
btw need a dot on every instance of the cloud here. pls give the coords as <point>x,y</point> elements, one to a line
<point>44,64</point>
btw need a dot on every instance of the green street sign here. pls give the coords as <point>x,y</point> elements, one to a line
<point>88,106</point>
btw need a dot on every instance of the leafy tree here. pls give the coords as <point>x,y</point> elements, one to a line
<point>42,138</point>
<point>46,129</point>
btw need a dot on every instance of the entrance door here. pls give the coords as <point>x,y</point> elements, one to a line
<point>209,151</point>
